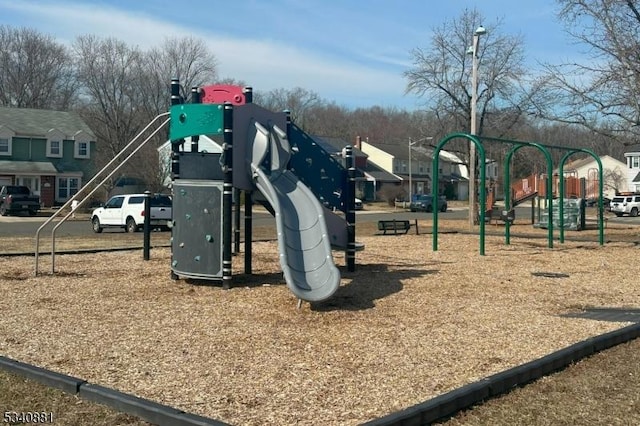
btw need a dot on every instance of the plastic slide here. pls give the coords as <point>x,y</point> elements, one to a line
<point>303,241</point>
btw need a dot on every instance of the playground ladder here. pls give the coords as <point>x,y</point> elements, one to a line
<point>74,198</point>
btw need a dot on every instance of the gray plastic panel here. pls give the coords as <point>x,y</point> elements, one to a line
<point>200,165</point>
<point>197,229</point>
<point>243,128</point>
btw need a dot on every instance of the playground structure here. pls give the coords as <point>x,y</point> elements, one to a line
<point>266,158</point>
<point>534,191</point>
<point>263,153</point>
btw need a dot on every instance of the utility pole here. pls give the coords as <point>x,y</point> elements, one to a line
<point>473,207</point>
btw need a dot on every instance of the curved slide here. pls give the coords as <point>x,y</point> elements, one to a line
<point>303,241</point>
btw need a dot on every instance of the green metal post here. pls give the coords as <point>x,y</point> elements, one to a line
<point>434,189</point>
<point>507,173</point>
<point>600,192</point>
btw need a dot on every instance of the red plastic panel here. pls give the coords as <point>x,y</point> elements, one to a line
<point>221,93</point>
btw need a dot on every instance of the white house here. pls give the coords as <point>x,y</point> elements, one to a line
<point>615,175</point>
<point>394,158</point>
<point>633,168</point>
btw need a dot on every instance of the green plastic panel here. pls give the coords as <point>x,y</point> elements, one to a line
<point>196,119</point>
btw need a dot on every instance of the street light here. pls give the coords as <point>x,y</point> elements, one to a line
<point>473,50</point>
<point>410,145</point>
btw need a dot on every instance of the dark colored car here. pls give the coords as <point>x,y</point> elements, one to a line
<point>17,199</point>
<point>424,203</point>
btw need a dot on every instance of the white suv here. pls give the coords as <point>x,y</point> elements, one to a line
<point>625,204</point>
<point>127,211</point>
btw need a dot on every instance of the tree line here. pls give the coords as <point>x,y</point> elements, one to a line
<point>118,88</point>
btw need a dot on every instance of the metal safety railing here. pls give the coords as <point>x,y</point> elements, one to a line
<point>95,188</point>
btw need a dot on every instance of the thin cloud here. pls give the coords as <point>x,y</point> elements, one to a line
<point>265,64</point>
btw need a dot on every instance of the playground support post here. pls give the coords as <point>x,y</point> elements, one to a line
<point>248,223</point>
<point>176,99</point>
<point>146,240</point>
<point>248,203</point>
<point>227,195</point>
<point>195,99</point>
<point>236,221</point>
<point>351,208</point>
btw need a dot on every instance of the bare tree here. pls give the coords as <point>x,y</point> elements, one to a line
<point>442,74</point>
<point>602,92</point>
<point>109,72</point>
<point>37,72</point>
<point>614,179</point>
<point>298,101</point>
<point>187,59</point>
<point>329,120</point>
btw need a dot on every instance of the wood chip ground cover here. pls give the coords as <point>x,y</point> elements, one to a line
<point>408,325</point>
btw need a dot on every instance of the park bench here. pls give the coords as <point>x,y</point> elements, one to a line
<point>498,214</point>
<point>396,226</point>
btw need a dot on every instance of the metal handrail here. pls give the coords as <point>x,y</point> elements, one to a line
<point>88,184</point>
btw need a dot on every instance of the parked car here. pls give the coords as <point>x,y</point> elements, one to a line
<point>127,211</point>
<point>424,203</point>
<point>593,202</point>
<point>16,199</point>
<point>626,204</point>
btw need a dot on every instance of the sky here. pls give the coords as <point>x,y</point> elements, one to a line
<point>351,52</point>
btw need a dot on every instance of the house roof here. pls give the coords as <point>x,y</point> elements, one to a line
<point>336,145</point>
<point>380,174</point>
<point>577,164</point>
<point>637,178</point>
<point>633,148</point>
<point>28,167</point>
<point>37,122</point>
<point>38,168</point>
<point>401,152</point>
<point>418,152</point>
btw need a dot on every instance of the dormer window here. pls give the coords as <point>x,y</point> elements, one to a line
<point>5,140</point>
<point>81,145</point>
<point>82,149</point>
<point>54,149</point>
<point>54,143</point>
<point>5,146</point>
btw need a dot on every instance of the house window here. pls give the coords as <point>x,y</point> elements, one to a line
<point>32,182</point>
<point>54,148</point>
<point>82,149</point>
<point>67,188</point>
<point>5,146</point>
<point>635,162</point>
<point>404,167</point>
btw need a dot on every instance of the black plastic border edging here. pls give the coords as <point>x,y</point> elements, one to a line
<point>446,405</point>
<point>438,408</point>
<point>145,409</point>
